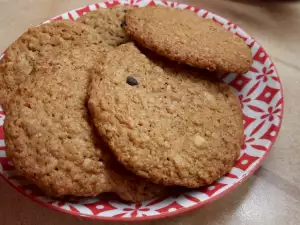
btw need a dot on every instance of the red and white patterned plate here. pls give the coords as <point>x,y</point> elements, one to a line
<point>261,96</point>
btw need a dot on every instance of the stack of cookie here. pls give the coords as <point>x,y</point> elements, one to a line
<point>123,100</point>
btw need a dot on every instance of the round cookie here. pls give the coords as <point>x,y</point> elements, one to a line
<point>185,37</point>
<point>39,43</point>
<point>165,122</point>
<point>52,142</point>
<point>48,136</point>
<point>108,23</point>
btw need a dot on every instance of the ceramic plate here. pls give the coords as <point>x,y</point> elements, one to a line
<point>261,96</point>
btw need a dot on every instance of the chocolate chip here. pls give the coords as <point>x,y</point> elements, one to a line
<point>125,10</point>
<point>123,23</point>
<point>131,81</point>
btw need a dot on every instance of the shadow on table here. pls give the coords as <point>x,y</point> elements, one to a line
<point>273,7</point>
<point>264,1</point>
<point>264,15</point>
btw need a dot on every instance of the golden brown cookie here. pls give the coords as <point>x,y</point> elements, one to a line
<point>165,123</point>
<point>40,43</point>
<point>108,23</point>
<point>183,36</point>
<point>51,140</point>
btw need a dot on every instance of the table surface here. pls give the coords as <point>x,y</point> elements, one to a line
<point>272,194</point>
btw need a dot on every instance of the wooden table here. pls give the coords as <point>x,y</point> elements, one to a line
<point>272,195</point>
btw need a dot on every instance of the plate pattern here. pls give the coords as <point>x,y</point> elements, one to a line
<point>260,93</point>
